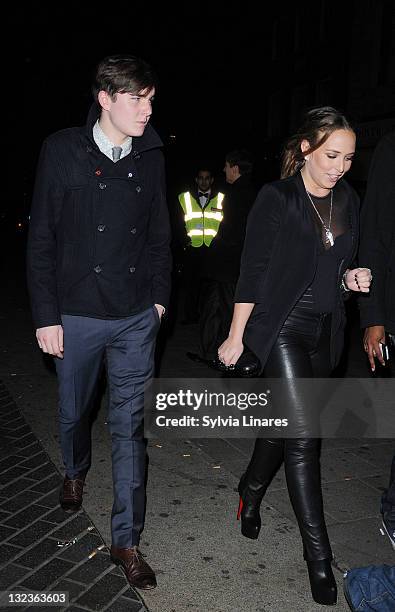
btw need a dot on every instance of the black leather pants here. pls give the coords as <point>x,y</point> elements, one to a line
<point>301,351</point>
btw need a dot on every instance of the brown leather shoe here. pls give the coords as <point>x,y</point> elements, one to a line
<point>137,571</point>
<point>71,494</point>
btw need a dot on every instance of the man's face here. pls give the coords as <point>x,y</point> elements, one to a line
<point>204,180</point>
<point>231,172</point>
<point>127,113</point>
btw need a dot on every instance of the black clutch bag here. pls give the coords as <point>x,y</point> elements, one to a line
<point>248,365</point>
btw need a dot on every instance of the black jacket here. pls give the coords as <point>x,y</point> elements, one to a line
<point>99,232</point>
<point>224,254</point>
<point>377,248</point>
<point>279,262</point>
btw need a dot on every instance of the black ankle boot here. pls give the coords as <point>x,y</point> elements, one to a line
<point>248,512</point>
<point>322,582</point>
<point>265,461</point>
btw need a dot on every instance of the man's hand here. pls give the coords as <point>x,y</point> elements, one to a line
<point>161,309</point>
<point>50,340</point>
<point>371,343</point>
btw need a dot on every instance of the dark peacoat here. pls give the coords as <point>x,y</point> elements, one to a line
<point>99,232</point>
<point>279,261</point>
<point>224,254</point>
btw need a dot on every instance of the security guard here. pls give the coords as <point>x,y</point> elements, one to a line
<point>202,215</point>
<point>222,263</point>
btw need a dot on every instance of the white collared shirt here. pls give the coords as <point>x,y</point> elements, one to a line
<point>204,199</point>
<point>105,145</point>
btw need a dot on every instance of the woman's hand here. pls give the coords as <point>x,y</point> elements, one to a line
<point>358,279</point>
<point>230,351</point>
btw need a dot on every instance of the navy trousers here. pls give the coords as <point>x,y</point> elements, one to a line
<point>127,347</point>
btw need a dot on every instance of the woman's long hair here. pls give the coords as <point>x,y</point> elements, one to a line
<point>318,125</point>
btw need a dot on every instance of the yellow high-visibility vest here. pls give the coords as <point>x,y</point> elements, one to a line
<point>201,224</point>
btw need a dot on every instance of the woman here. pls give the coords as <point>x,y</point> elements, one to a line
<point>300,243</point>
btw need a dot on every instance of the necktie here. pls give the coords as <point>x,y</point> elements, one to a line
<point>116,153</point>
<point>205,195</point>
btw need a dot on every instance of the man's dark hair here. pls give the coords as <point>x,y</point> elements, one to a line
<point>204,169</point>
<point>123,74</point>
<point>241,158</point>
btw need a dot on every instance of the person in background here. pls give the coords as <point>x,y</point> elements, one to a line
<point>377,310</point>
<point>99,265</point>
<point>301,241</point>
<point>222,263</point>
<point>202,216</point>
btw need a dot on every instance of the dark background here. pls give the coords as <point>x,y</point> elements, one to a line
<point>231,74</point>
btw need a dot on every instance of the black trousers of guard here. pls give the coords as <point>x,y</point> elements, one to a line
<point>216,313</point>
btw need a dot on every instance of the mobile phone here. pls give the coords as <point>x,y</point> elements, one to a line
<point>385,352</point>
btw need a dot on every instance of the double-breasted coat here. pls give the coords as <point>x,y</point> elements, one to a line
<point>99,232</point>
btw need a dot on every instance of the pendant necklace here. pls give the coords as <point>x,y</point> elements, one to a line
<point>328,234</point>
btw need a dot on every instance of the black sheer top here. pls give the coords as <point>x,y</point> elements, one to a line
<point>320,296</point>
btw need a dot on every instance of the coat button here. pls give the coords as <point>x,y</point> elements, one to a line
<point>131,270</point>
<point>133,230</point>
<point>101,228</point>
<point>102,185</point>
<point>138,188</point>
<point>97,269</point>
<point>130,175</point>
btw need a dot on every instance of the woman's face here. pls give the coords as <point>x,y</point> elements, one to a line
<point>327,164</point>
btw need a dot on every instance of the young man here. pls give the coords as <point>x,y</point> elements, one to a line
<point>99,279</point>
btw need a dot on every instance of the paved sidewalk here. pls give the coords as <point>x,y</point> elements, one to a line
<point>191,537</point>
<point>42,547</point>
